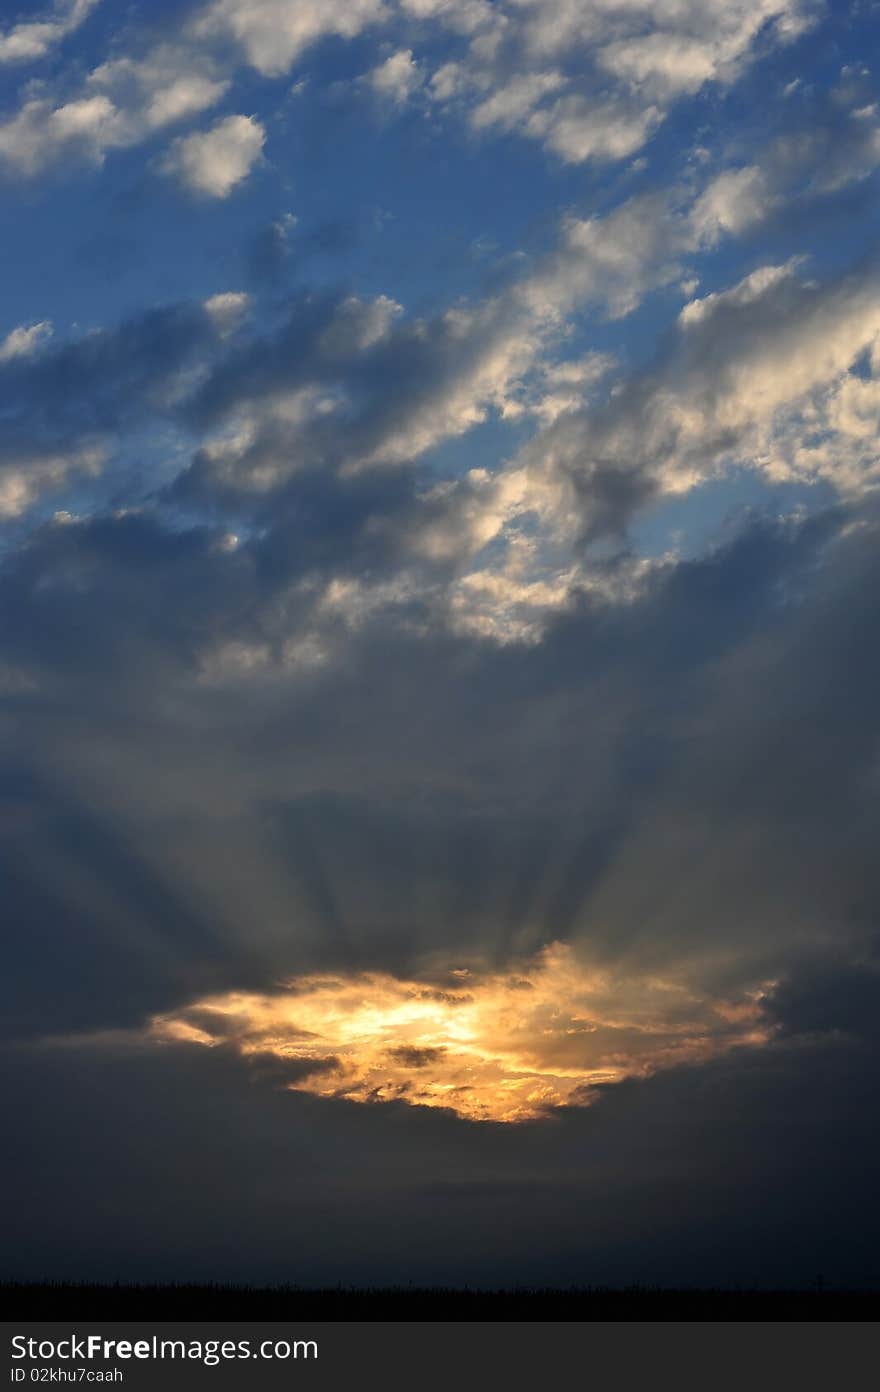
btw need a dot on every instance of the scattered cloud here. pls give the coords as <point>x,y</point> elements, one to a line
<point>31,40</point>
<point>272,34</point>
<point>121,103</point>
<point>212,163</point>
<point>588,85</point>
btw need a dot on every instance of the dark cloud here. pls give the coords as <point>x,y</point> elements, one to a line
<point>832,997</point>
<point>414,1057</point>
<point>111,377</point>
<point>683,781</point>
<point>186,1166</point>
<point>280,248</point>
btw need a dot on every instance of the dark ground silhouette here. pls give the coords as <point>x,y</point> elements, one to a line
<point>205,1302</point>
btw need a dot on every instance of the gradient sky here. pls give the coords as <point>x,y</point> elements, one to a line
<point>439,597</point>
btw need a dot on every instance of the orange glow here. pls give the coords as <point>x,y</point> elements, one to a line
<point>490,1046</point>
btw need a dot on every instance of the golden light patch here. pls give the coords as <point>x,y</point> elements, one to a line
<point>490,1046</point>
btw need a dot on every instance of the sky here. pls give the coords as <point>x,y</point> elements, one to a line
<point>439,595</point>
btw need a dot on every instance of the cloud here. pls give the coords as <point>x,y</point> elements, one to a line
<point>598,1195</point>
<point>750,291</point>
<point>695,801</point>
<point>730,203</point>
<point>798,172</point>
<point>604,128</point>
<point>26,339</point>
<point>121,103</point>
<point>107,380</point>
<point>166,86</point>
<point>725,34</point>
<point>594,84</point>
<point>612,261</point>
<point>227,309</point>
<point>343,793</point>
<point>586,85</point>
<point>288,418</point>
<point>461,16</point>
<point>765,374</point>
<point>34,39</point>
<point>397,78</point>
<point>427,689</point>
<point>512,103</point>
<point>272,33</point>
<point>295,428</point>
<point>213,162</point>
<point>578,130</point>
<point>491,1048</point>
<point>315,392</point>
<point>321,381</point>
<point>299,411</point>
<point>27,478</point>
<point>39,133</point>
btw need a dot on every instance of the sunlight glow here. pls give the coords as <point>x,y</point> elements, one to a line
<point>491,1046</point>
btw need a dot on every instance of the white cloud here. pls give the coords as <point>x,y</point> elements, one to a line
<point>40,134</point>
<point>752,288</point>
<point>213,162</point>
<point>24,480</point>
<point>168,85</point>
<point>764,375</point>
<point>24,340</point>
<point>227,309</point>
<point>578,130</point>
<point>559,387</point>
<point>273,33</point>
<point>624,61</point>
<point>589,82</point>
<point>511,103</point>
<point>120,104</point>
<point>655,36</point>
<point>732,202</point>
<point>668,65</point>
<point>397,78</point>
<point>611,261</point>
<point>34,39</point>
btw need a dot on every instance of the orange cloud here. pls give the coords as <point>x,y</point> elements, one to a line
<point>490,1046</point>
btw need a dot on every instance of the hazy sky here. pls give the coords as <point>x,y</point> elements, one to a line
<point>439,598</point>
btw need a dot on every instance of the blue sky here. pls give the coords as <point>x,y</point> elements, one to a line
<point>438,564</point>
